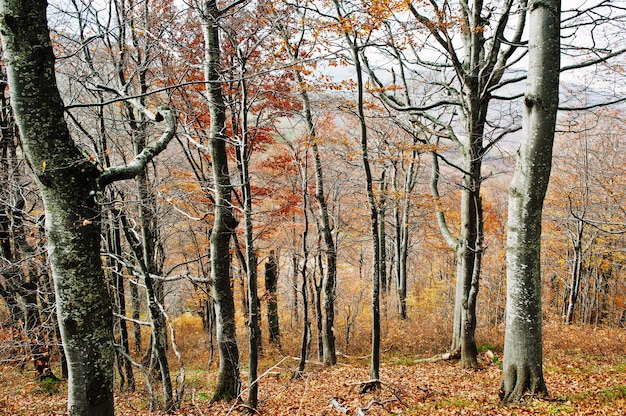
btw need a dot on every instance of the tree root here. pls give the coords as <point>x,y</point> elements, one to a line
<point>521,382</point>
<point>369,386</point>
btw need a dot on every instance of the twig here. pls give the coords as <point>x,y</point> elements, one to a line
<point>268,371</point>
<point>122,350</point>
<point>181,372</point>
<point>306,386</point>
<point>193,402</point>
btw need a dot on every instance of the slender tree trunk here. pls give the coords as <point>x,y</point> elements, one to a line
<point>351,38</point>
<point>402,209</point>
<point>208,324</point>
<point>382,234</point>
<point>329,278</point>
<point>135,300</point>
<point>244,152</point>
<point>306,327</point>
<point>316,290</point>
<point>523,359</point>
<point>228,382</point>
<point>271,287</point>
<point>294,287</point>
<point>154,307</point>
<point>576,274</point>
<point>115,246</point>
<point>374,219</point>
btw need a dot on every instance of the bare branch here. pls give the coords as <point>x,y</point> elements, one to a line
<point>140,161</point>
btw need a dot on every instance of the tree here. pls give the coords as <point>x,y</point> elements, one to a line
<point>70,185</point>
<point>523,358</point>
<point>228,382</point>
<point>271,282</point>
<point>351,32</point>
<point>455,77</point>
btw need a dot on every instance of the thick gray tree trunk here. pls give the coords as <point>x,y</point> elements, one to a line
<point>68,184</point>
<point>523,358</point>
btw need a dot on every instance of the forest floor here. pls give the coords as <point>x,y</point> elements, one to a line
<point>584,369</point>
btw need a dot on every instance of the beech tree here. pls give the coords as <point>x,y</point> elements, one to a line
<point>70,185</point>
<point>228,382</point>
<point>523,359</point>
<point>352,30</point>
<point>468,51</point>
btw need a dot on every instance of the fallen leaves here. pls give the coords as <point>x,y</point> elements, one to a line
<point>580,381</point>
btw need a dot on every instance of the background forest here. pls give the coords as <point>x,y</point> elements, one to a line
<point>318,183</point>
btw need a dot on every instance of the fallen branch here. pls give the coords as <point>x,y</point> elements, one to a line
<point>335,403</point>
<point>362,411</point>
<point>441,357</point>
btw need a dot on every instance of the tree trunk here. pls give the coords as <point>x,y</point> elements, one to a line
<point>243,153</point>
<point>306,328</point>
<point>271,287</point>
<point>114,240</point>
<point>401,253</point>
<point>68,184</point>
<point>316,290</point>
<point>228,382</point>
<point>382,234</point>
<point>523,360</point>
<point>576,274</point>
<point>294,288</point>
<point>158,346</point>
<point>135,300</point>
<point>329,279</point>
<point>374,217</point>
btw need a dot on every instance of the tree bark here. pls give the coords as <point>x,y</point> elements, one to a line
<point>523,358</point>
